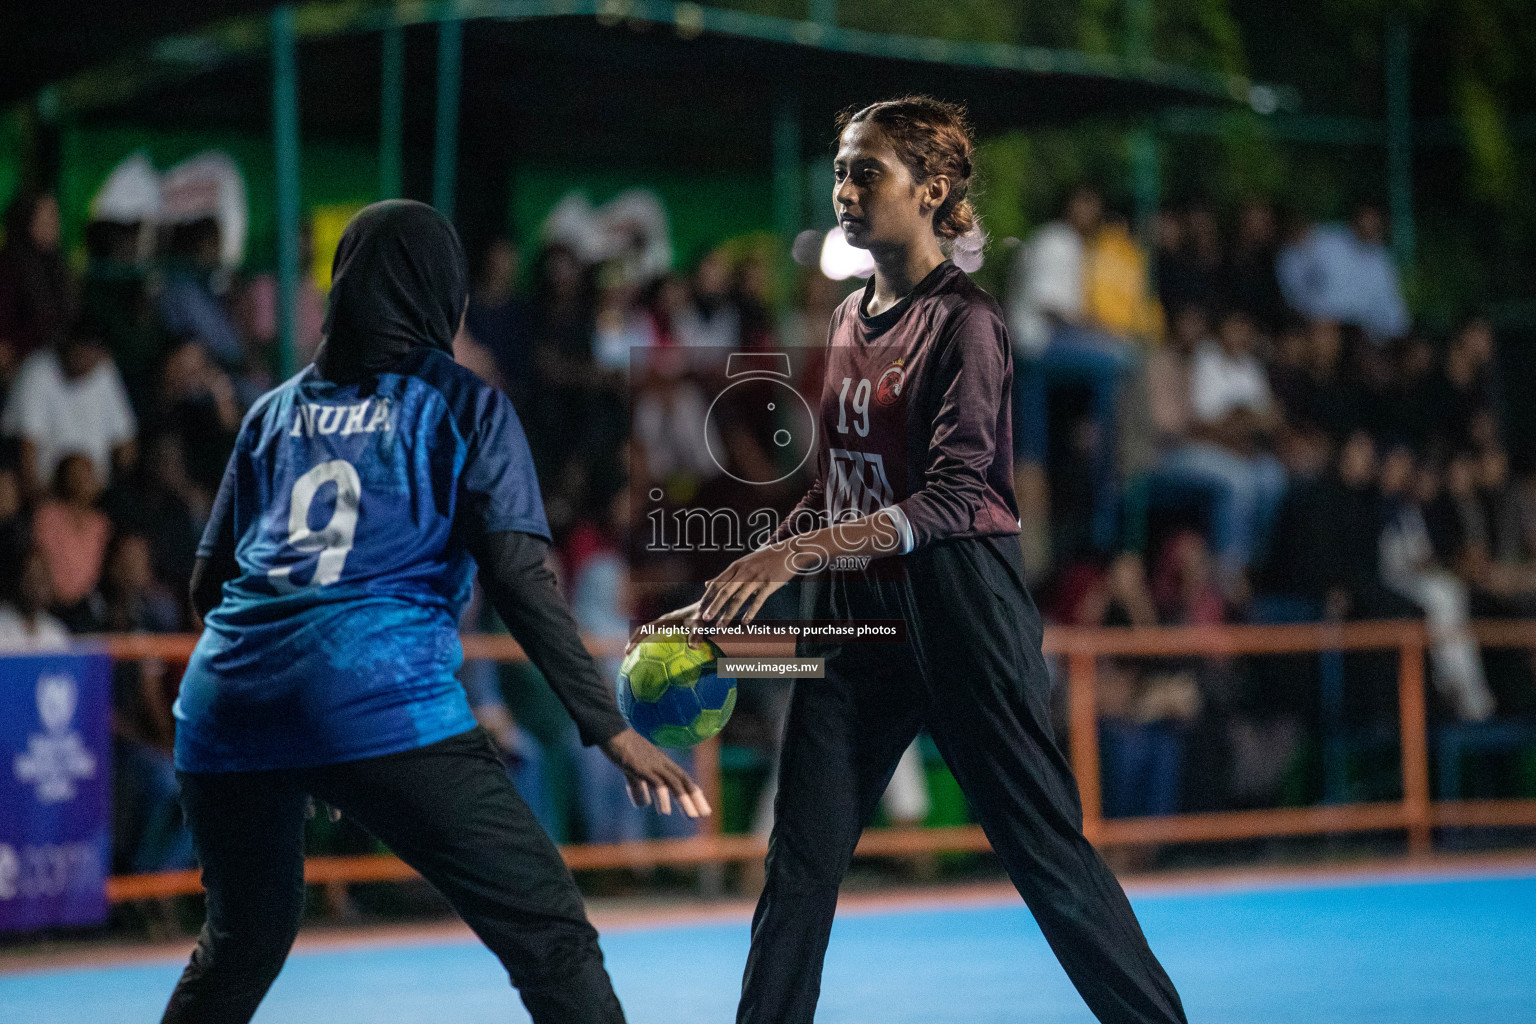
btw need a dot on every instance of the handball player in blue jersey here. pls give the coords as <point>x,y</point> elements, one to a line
<point>360,498</point>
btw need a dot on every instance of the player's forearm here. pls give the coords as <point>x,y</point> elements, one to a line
<point>523,591</point>
<point>805,516</point>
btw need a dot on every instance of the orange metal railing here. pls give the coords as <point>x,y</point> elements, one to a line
<point>1416,813</point>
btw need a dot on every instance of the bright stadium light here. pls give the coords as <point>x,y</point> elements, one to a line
<point>840,261</point>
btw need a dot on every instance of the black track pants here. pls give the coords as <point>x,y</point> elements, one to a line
<point>971,672</point>
<point>450,812</point>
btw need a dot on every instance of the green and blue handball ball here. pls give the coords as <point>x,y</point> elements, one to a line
<point>671,693</point>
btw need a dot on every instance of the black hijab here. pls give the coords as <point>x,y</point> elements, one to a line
<point>398,283</point>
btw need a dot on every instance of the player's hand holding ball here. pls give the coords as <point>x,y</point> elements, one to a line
<point>684,619</point>
<point>652,775</point>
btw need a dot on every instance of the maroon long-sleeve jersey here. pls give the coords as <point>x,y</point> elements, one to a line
<point>916,415</point>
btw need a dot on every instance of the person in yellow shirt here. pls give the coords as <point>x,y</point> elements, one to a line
<point>1117,297</point>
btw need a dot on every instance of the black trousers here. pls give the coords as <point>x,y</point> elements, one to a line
<point>449,811</point>
<point>971,672</point>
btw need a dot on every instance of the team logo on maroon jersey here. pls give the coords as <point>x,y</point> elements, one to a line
<point>891,382</point>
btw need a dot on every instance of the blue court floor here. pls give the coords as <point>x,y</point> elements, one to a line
<point>1431,951</point>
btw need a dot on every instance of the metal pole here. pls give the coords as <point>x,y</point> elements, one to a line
<point>1400,139</point>
<point>1138,31</point>
<point>788,179</point>
<point>450,59</point>
<point>392,113</point>
<point>1414,719</point>
<point>1146,184</point>
<point>1083,730</point>
<point>285,139</point>
<point>788,205</point>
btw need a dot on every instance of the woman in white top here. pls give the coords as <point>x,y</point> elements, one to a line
<point>1233,412</point>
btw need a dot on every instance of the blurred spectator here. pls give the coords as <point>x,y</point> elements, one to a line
<point>1346,274</point>
<point>806,323</point>
<point>1465,398</point>
<point>1414,418</point>
<point>1173,291</point>
<point>1116,294</point>
<point>1046,287</point>
<point>1185,587</point>
<point>1325,553</point>
<point>159,502</point>
<point>197,404</point>
<point>35,289</point>
<point>148,833</point>
<point>519,751</point>
<point>116,296</point>
<point>1233,415</point>
<point>1523,498</point>
<point>1409,568</point>
<point>1144,709</point>
<point>70,398</point>
<point>1189,259</point>
<point>712,319</point>
<point>502,320</point>
<point>71,534</point>
<point>1248,279</point>
<point>1494,552</point>
<point>564,306</point>
<point>255,315</point>
<point>752,285</point>
<point>25,594</point>
<point>190,310</point>
<point>133,599</point>
<point>671,304</point>
<point>621,324</point>
<point>1372,383</point>
<point>1055,343</point>
<point>10,497</point>
<point>673,435</point>
<point>1310,384</point>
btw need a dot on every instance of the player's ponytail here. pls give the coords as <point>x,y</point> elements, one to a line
<point>933,137</point>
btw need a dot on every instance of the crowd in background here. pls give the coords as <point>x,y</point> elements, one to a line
<point>1255,432</point>
<point>1239,424</point>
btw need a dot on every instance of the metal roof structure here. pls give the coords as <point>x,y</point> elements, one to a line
<point>654,82</point>
<point>706,46</point>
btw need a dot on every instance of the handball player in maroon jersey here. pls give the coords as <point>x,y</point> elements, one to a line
<point>912,517</point>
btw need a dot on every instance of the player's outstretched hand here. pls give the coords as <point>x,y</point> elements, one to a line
<point>746,584</point>
<point>649,772</point>
<point>684,618</point>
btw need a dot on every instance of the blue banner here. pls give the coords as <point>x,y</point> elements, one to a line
<point>55,789</point>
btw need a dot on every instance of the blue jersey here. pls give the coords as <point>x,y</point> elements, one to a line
<point>348,507</point>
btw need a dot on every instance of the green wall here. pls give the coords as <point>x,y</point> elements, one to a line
<point>11,144</point>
